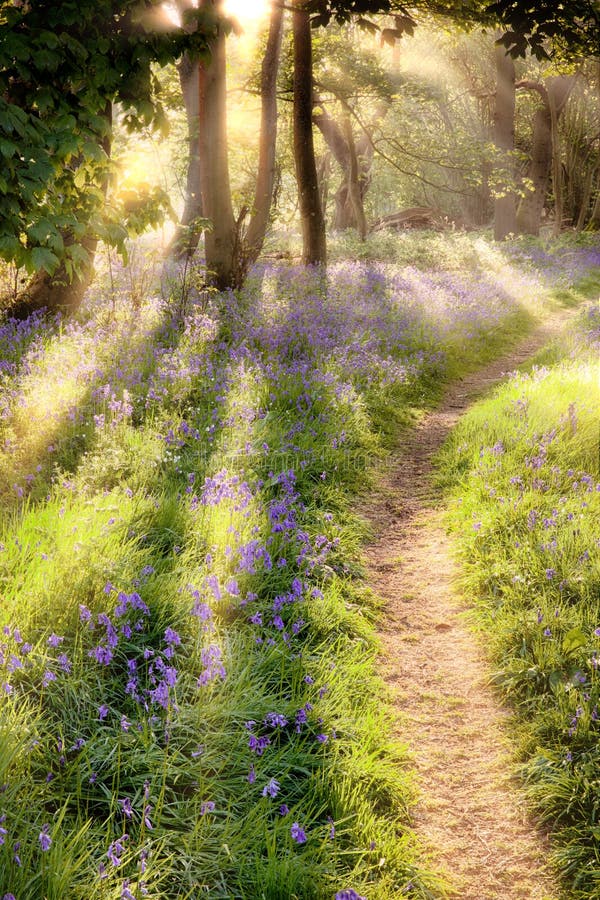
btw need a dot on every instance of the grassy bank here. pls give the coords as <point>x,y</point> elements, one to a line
<point>189,704</point>
<point>524,472</point>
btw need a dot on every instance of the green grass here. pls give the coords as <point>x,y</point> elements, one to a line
<point>524,474</point>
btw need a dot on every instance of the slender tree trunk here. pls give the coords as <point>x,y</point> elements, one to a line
<point>585,201</point>
<point>221,239</point>
<point>557,100</point>
<point>554,95</point>
<point>594,223</point>
<point>504,137</point>
<point>267,163</point>
<point>323,173</point>
<point>313,223</point>
<point>187,236</point>
<point>354,188</point>
<point>64,291</point>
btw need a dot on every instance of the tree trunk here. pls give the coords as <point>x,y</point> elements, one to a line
<point>337,143</point>
<point>531,207</point>
<point>504,138</point>
<point>62,291</point>
<point>267,163</point>
<point>323,173</point>
<point>585,202</point>
<point>354,188</point>
<point>187,235</point>
<point>220,240</point>
<point>313,223</point>
<point>343,148</point>
<point>57,292</point>
<point>559,90</point>
<point>594,223</point>
<point>554,94</point>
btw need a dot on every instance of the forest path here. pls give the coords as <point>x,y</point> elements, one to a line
<point>471,818</point>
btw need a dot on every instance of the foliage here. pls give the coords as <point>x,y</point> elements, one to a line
<point>570,28</point>
<point>61,68</point>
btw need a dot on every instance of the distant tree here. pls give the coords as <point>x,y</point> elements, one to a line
<point>505,209</point>
<point>353,95</point>
<point>581,142</point>
<point>553,93</point>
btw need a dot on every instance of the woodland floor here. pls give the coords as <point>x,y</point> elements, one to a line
<point>471,818</point>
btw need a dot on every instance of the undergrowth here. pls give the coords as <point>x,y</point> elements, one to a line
<point>189,703</point>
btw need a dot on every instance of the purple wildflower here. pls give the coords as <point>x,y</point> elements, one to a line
<point>125,892</point>
<point>115,850</point>
<point>298,833</point>
<point>126,807</point>
<point>44,838</point>
<point>271,789</point>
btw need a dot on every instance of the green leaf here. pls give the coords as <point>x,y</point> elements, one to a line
<point>7,148</point>
<point>573,640</point>
<point>40,230</point>
<point>43,258</point>
<point>9,246</point>
<point>79,257</point>
<point>80,177</point>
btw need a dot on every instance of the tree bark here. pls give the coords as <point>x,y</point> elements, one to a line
<point>505,219</point>
<point>267,163</point>
<point>187,237</point>
<point>594,223</point>
<point>220,240</point>
<point>554,93</point>
<point>355,194</point>
<point>313,223</point>
<point>343,147</point>
<point>57,292</point>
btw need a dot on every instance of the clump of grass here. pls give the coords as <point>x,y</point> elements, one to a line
<point>524,471</point>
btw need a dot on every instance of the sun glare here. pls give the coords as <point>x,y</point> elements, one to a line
<point>247,11</point>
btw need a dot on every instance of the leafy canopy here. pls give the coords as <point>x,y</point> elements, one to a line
<point>62,66</point>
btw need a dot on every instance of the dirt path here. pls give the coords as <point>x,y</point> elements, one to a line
<point>471,818</point>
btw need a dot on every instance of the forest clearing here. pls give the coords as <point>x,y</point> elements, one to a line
<point>299,450</point>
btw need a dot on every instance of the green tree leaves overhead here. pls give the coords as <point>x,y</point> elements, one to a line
<point>572,27</point>
<point>62,66</point>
